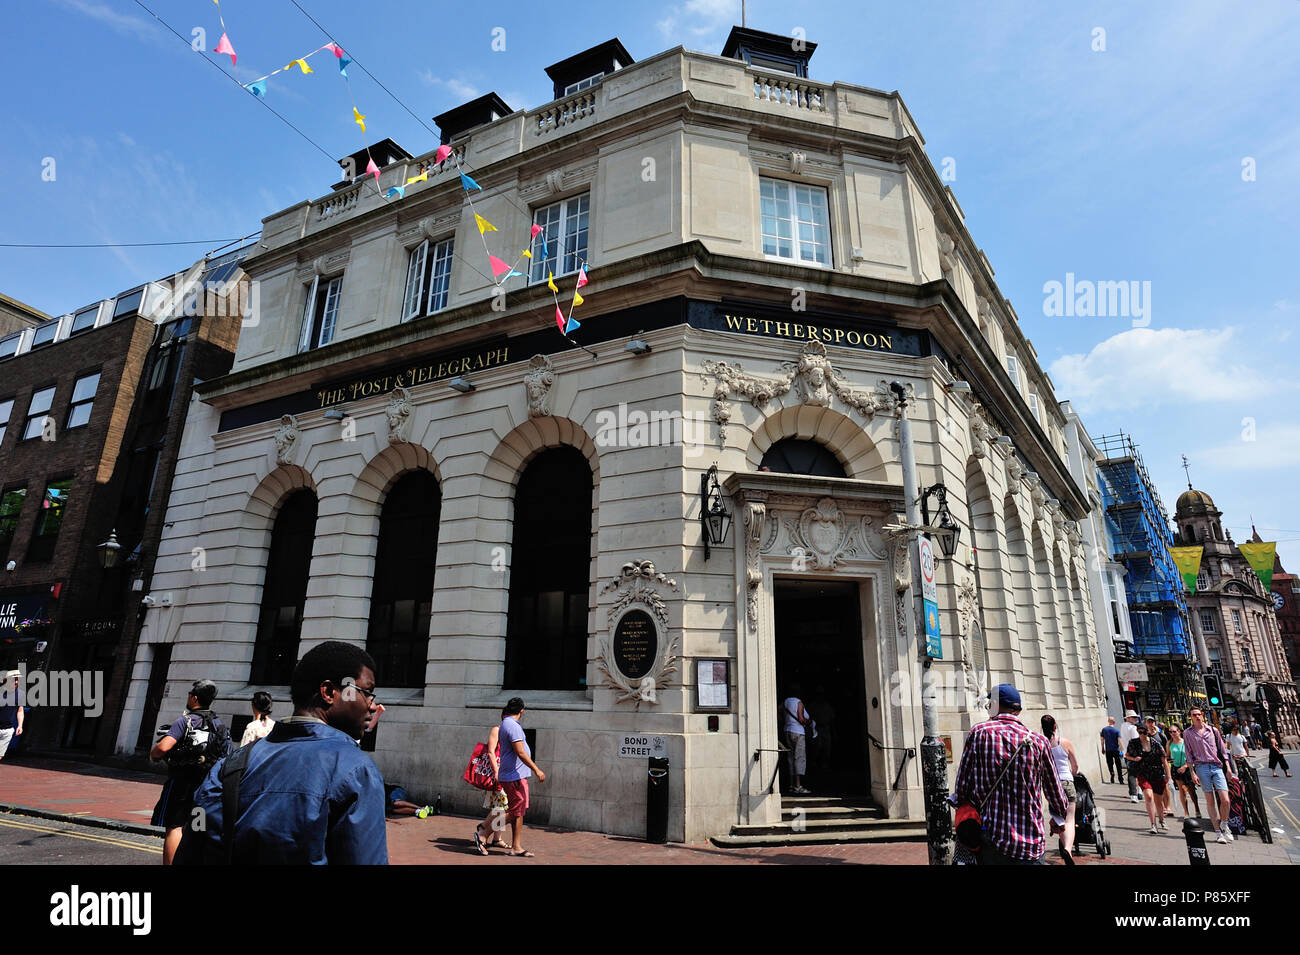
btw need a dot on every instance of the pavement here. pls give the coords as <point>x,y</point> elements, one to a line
<point>121,801</point>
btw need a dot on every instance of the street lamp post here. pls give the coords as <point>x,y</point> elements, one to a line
<point>934,764</point>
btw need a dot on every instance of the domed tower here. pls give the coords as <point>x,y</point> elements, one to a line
<point>1196,518</point>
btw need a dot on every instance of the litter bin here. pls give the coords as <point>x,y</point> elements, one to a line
<point>656,801</point>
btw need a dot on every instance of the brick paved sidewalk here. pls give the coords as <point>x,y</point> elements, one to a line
<point>71,789</point>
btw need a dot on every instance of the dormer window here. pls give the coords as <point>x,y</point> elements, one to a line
<point>44,334</point>
<point>128,304</point>
<point>84,320</point>
<point>585,84</point>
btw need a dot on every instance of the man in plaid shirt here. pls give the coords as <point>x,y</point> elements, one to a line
<point>1013,816</point>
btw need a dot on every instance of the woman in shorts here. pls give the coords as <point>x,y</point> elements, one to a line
<point>1146,758</point>
<point>1067,766</point>
<point>1184,778</point>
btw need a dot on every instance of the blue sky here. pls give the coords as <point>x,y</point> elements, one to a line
<point>1122,164</point>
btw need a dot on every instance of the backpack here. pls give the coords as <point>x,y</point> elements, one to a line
<point>203,744</point>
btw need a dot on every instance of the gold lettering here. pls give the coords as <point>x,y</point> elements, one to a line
<point>442,370</point>
<point>732,322</point>
<point>887,341</point>
<point>356,386</point>
<point>851,336</point>
<point>750,326</point>
<point>869,340</point>
<point>765,324</point>
<point>798,331</point>
<point>478,361</point>
<point>505,354</point>
<point>839,333</point>
<point>780,326</point>
<point>812,331</point>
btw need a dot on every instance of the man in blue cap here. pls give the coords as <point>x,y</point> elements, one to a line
<point>1005,771</point>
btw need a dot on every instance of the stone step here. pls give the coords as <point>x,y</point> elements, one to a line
<point>813,824</point>
<point>914,831</point>
<point>832,812</point>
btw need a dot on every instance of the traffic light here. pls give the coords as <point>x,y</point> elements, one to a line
<point>1213,690</point>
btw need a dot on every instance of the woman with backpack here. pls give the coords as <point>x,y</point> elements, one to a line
<point>191,746</point>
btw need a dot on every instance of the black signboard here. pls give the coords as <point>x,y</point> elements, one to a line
<point>636,644</point>
<point>14,610</point>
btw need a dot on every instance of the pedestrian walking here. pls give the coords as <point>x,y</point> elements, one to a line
<point>1067,767</point>
<point>1157,733</point>
<point>1209,758</point>
<point>1238,745</point>
<point>515,769</point>
<point>11,711</point>
<point>1275,757</point>
<point>308,794</point>
<point>1127,733</point>
<point>1184,780</point>
<point>1110,745</point>
<point>488,832</point>
<point>261,723</point>
<point>1005,771</point>
<point>1146,759</point>
<point>1257,735</point>
<point>192,745</point>
<point>797,724</point>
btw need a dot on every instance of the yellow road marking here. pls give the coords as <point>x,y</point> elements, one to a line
<point>1277,801</point>
<point>76,835</point>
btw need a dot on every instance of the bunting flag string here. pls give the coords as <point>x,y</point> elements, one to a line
<point>223,45</point>
<point>301,62</point>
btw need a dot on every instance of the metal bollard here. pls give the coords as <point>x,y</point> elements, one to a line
<point>1196,854</point>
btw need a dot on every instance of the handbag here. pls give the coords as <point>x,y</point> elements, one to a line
<point>479,772</point>
<point>970,827</point>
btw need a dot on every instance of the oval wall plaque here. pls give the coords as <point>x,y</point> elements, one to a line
<point>635,644</point>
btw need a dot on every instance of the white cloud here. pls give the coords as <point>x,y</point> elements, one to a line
<point>1146,367</point>
<point>704,16</point>
<point>1274,446</point>
<point>459,89</point>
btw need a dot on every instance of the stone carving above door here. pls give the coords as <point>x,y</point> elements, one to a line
<point>286,439</point>
<point>811,376</point>
<point>537,383</point>
<point>824,535</point>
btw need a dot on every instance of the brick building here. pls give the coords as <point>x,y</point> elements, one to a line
<point>91,410</point>
<point>1285,591</point>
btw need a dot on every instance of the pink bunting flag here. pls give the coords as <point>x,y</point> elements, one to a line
<point>582,277</point>
<point>223,46</point>
<point>497,265</point>
<point>372,170</point>
<point>536,229</point>
<point>442,153</point>
<point>559,319</point>
<point>333,48</point>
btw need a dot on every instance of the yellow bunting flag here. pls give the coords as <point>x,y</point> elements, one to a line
<point>1259,554</point>
<point>1188,562</point>
<point>483,224</point>
<point>301,63</point>
<point>577,299</point>
<point>359,119</point>
<point>422,177</point>
<point>526,253</point>
<point>550,283</point>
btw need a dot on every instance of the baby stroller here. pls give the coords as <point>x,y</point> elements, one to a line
<point>1089,826</point>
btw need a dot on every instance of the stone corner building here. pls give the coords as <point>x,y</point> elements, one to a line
<point>403,458</point>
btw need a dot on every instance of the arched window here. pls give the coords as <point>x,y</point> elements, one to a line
<point>799,456</point>
<point>550,572</point>
<point>402,594</point>
<point>288,565</point>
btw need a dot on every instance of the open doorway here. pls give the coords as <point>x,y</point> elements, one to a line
<point>819,646</point>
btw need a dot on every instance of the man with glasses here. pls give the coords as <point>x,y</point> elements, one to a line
<point>1209,758</point>
<point>308,793</point>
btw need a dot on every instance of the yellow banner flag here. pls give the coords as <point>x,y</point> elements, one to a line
<point>422,177</point>
<point>550,283</point>
<point>577,299</point>
<point>359,119</point>
<point>1259,554</point>
<point>301,63</point>
<point>1188,561</point>
<point>484,225</point>
<point>526,254</point>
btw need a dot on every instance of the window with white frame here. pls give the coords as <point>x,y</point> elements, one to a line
<point>84,320</point>
<point>320,314</point>
<point>428,278</point>
<point>564,225</point>
<point>1201,582</point>
<point>1207,622</point>
<point>1033,406</point>
<point>586,84</point>
<point>1236,620</point>
<point>9,345</point>
<point>796,223</point>
<point>44,334</point>
<point>1013,369</point>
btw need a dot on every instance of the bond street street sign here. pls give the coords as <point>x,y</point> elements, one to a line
<point>637,745</point>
